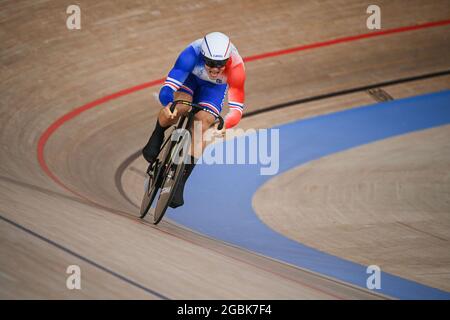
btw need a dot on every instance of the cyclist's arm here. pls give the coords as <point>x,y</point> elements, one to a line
<point>236,96</point>
<point>181,70</point>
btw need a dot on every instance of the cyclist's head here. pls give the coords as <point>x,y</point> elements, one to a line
<point>216,49</point>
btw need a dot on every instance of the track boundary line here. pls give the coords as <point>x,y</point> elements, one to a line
<point>85,259</point>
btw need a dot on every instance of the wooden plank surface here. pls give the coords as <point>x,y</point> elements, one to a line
<point>47,71</point>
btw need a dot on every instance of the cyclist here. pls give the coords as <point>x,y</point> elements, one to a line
<point>203,73</point>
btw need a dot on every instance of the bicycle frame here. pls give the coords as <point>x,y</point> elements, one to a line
<point>164,174</point>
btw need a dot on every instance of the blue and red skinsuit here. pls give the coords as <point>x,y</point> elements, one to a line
<point>190,76</point>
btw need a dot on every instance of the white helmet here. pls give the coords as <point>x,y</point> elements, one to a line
<point>216,48</point>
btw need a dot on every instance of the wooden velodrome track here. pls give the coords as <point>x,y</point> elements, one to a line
<point>48,71</point>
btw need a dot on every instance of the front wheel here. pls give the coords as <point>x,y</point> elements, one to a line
<point>150,188</point>
<point>172,176</point>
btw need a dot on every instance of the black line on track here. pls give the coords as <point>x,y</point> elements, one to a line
<point>123,166</point>
<point>79,256</point>
<point>346,91</point>
<point>119,173</point>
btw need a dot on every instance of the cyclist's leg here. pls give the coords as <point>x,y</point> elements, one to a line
<point>151,149</point>
<point>210,96</point>
<point>203,121</point>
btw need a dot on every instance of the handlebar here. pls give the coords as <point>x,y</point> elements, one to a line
<point>196,106</point>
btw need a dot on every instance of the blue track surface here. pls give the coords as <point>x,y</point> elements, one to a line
<point>228,214</point>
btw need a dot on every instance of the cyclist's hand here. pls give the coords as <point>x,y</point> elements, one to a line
<point>169,114</point>
<point>220,133</point>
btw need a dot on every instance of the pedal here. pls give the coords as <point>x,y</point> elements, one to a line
<point>151,167</point>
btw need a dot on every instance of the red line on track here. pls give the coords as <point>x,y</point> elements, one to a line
<point>43,139</point>
<point>347,39</point>
<point>76,112</point>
